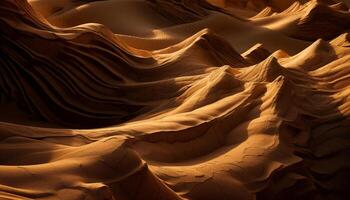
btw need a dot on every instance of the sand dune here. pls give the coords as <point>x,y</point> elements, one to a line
<point>170,100</point>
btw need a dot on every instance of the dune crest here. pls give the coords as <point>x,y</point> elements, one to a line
<point>199,100</point>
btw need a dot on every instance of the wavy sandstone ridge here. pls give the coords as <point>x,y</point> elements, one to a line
<point>170,100</point>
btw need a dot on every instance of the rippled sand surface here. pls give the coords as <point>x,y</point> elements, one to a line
<point>174,100</point>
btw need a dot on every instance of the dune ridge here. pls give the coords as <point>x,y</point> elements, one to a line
<point>199,100</point>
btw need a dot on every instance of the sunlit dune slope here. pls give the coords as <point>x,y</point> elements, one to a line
<point>174,100</point>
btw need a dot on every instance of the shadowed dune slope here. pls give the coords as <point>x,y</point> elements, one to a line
<point>174,100</point>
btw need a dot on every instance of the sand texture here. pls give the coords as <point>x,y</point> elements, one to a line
<point>174,100</point>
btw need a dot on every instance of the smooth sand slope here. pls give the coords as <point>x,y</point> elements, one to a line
<point>174,100</point>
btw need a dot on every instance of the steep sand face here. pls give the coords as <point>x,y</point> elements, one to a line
<point>170,100</point>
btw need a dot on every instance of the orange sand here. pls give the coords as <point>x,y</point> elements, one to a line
<point>174,100</point>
